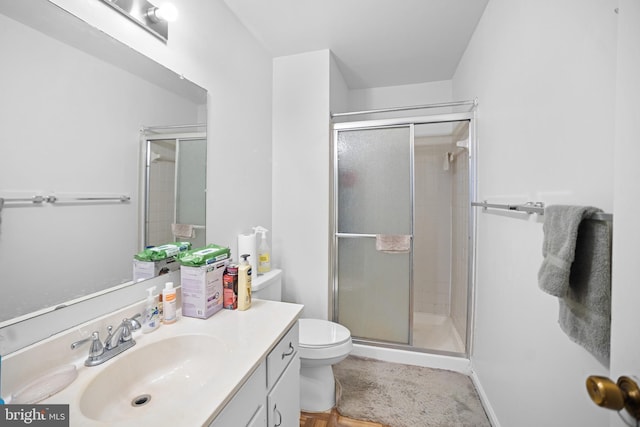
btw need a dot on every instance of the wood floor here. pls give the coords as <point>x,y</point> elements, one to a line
<point>332,419</point>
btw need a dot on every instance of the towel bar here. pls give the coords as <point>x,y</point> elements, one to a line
<point>534,208</point>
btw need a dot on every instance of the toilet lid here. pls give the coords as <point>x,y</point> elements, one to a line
<point>322,333</point>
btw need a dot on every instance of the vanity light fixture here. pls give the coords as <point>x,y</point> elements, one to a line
<point>154,19</point>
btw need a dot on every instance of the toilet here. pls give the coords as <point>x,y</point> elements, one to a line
<point>321,344</point>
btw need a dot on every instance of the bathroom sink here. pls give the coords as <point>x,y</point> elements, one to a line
<point>145,379</point>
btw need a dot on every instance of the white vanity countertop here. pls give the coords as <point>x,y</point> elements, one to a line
<point>248,336</point>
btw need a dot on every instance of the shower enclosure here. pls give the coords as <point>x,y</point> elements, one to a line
<point>411,180</point>
<point>174,185</point>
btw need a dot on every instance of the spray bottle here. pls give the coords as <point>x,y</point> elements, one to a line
<point>264,252</point>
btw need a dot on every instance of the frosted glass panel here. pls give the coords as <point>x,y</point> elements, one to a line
<point>190,199</point>
<point>191,185</point>
<point>373,291</point>
<point>374,181</point>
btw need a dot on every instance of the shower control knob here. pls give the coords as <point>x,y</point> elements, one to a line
<point>616,396</point>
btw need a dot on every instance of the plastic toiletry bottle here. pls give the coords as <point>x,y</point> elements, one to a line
<point>230,287</point>
<point>169,303</point>
<point>151,319</point>
<point>160,311</point>
<point>264,252</point>
<point>244,284</point>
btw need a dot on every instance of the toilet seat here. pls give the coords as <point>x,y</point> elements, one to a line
<point>317,333</point>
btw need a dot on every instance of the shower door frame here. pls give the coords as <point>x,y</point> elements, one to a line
<point>147,136</point>
<point>335,235</point>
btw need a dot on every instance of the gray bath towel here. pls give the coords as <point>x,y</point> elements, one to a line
<point>577,269</point>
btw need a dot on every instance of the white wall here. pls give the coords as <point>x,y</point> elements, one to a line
<point>544,74</point>
<point>400,96</point>
<point>301,88</point>
<point>208,45</point>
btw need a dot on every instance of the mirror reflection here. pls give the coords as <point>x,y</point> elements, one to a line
<point>72,117</point>
<point>175,176</point>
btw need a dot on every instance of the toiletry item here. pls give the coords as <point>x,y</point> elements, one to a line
<point>203,256</point>
<point>160,311</point>
<point>202,289</point>
<point>230,287</point>
<point>264,252</point>
<point>151,319</point>
<point>247,244</point>
<point>158,253</point>
<point>169,303</point>
<point>158,260</point>
<point>244,284</point>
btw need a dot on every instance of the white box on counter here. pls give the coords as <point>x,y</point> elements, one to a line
<point>202,289</point>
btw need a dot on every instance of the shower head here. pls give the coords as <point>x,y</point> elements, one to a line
<point>463,143</point>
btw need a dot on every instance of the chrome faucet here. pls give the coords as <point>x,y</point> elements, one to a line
<point>116,342</point>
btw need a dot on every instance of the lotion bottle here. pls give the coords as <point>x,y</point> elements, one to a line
<point>151,319</point>
<point>244,284</point>
<point>169,303</point>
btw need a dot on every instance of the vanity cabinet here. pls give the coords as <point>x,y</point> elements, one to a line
<point>271,395</point>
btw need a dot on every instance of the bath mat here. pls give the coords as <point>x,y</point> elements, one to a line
<point>407,396</point>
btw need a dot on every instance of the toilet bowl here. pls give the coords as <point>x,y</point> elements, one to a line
<point>321,344</point>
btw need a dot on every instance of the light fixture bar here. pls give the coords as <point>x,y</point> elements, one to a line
<point>142,13</point>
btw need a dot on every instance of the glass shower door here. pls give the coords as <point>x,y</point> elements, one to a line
<point>191,187</point>
<point>373,196</point>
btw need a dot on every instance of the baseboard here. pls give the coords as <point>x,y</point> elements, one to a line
<point>436,361</point>
<point>488,409</point>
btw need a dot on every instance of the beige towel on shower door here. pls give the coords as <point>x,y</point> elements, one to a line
<point>393,243</point>
<point>182,230</point>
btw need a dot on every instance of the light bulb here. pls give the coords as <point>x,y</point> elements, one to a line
<point>167,12</point>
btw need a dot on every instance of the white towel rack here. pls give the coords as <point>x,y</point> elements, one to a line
<point>534,208</point>
<point>39,199</point>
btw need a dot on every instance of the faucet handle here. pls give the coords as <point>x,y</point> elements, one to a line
<point>96,348</point>
<point>135,323</point>
<point>125,335</point>
<point>128,326</point>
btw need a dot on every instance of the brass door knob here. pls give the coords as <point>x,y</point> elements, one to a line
<point>607,394</point>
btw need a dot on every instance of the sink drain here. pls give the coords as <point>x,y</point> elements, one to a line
<point>141,400</point>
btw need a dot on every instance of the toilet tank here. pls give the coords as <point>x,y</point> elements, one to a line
<point>267,286</point>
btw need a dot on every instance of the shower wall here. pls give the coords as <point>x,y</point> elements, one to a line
<point>460,236</point>
<point>432,227</point>
<point>162,178</point>
<point>441,191</point>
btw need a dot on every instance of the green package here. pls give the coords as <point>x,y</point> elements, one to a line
<point>158,253</point>
<point>204,256</point>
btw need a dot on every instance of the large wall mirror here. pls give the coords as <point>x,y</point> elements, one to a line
<point>75,107</point>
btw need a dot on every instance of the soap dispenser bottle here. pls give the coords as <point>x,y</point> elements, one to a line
<point>244,284</point>
<point>151,319</point>
<point>264,252</point>
<point>169,304</point>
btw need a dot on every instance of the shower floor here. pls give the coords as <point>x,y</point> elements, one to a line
<point>435,332</point>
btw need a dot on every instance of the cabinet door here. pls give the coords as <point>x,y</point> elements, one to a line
<point>247,406</point>
<point>284,399</point>
<point>281,355</point>
<point>259,418</point>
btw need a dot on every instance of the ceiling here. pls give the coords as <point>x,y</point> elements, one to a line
<point>376,42</point>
